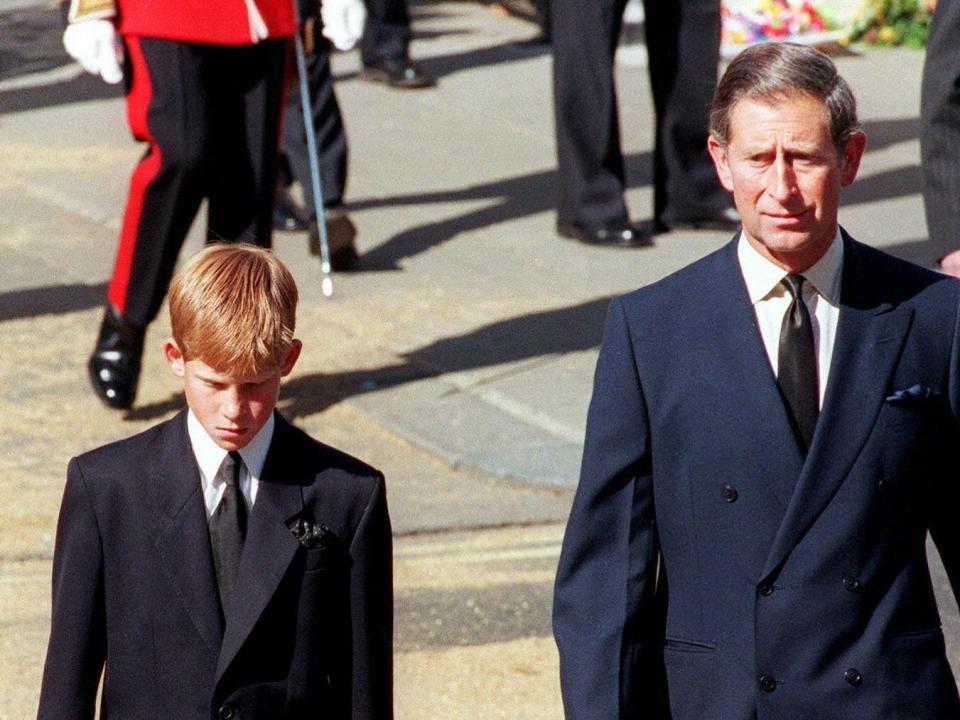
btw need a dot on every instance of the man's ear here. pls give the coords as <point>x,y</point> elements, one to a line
<point>718,151</point>
<point>173,356</point>
<point>852,153</point>
<point>291,358</point>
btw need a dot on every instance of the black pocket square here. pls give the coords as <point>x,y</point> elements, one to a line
<point>310,534</point>
<point>913,394</point>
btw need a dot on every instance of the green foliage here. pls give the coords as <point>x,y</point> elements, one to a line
<point>892,22</point>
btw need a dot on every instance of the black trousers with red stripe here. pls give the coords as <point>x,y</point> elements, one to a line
<point>211,115</point>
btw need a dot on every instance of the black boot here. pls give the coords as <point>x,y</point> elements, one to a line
<point>115,364</point>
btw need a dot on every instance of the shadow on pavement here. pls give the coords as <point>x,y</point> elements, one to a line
<point>78,89</point>
<point>551,332</point>
<point>519,197</point>
<point>886,185</point>
<point>440,66</point>
<point>50,300</point>
<point>30,40</point>
<point>883,133</point>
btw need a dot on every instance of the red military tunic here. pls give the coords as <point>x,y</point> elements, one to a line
<point>216,22</point>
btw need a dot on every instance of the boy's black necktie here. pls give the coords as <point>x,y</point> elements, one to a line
<point>228,529</point>
<point>797,364</point>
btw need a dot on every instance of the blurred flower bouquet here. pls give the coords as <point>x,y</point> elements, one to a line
<point>892,22</point>
<point>747,23</point>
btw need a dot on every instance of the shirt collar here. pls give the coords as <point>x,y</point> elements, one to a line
<point>762,277</point>
<point>210,456</point>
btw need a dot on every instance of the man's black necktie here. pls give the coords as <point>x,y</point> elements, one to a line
<point>228,529</point>
<point>797,364</point>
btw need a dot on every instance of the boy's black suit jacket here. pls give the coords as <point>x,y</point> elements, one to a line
<point>309,633</point>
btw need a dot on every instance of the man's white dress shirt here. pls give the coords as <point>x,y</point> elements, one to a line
<point>770,299</point>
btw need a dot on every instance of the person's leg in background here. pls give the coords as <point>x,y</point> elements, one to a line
<point>940,136</point>
<point>385,47</point>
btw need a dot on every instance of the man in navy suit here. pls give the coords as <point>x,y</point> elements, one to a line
<point>223,564</point>
<point>772,434</point>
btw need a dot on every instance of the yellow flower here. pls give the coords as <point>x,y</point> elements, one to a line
<point>887,34</point>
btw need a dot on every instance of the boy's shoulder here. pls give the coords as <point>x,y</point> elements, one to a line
<point>132,451</point>
<point>316,462</point>
<point>294,442</point>
<point>336,489</point>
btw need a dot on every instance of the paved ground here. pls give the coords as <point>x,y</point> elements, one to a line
<point>459,360</point>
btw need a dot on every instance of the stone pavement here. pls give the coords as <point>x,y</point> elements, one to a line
<point>458,360</point>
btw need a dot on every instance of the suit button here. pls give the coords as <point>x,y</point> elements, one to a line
<point>765,589</point>
<point>226,712</point>
<point>853,677</point>
<point>852,584</point>
<point>728,493</point>
<point>768,683</point>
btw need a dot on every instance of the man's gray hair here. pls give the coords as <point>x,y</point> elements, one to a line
<point>773,71</point>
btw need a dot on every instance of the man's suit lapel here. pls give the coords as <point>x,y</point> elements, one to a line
<point>269,547</point>
<point>869,340</point>
<point>732,333</point>
<point>184,541</point>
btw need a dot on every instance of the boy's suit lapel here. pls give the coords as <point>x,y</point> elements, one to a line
<point>184,540</point>
<point>269,547</point>
<point>870,337</point>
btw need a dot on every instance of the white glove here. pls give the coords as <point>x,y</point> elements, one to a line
<point>343,22</point>
<point>95,44</point>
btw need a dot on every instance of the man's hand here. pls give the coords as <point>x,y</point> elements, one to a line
<point>95,44</point>
<point>343,22</point>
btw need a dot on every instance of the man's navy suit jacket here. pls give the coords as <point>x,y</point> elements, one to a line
<point>309,633</point>
<point>710,570</point>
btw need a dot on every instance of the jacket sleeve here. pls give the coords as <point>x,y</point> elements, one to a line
<point>605,619</point>
<point>944,528</point>
<point>371,595</point>
<point>77,647</point>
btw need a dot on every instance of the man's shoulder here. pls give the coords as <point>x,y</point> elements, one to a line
<point>894,280</point>
<point>690,284</point>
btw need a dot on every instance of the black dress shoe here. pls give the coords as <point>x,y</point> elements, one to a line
<point>727,219</point>
<point>397,73</point>
<point>621,234</point>
<point>287,215</point>
<point>114,366</point>
<point>340,235</point>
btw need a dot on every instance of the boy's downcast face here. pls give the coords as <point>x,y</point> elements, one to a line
<point>231,408</point>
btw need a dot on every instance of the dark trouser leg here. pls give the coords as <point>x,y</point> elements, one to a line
<point>940,137</point>
<point>683,42</point>
<point>590,163</point>
<point>165,108</point>
<point>387,32</point>
<point>245,107</point>
<point>329,129</point>
<point>211,117</point>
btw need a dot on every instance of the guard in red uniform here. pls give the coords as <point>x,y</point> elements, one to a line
<point>204,89</point>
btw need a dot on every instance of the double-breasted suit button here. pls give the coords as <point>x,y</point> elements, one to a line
<point>765,589</point>
<point>728,493</point>
<point>226,712</point>
<point>852,584</point>
<point>768,683</point>
<point>853,677</point>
